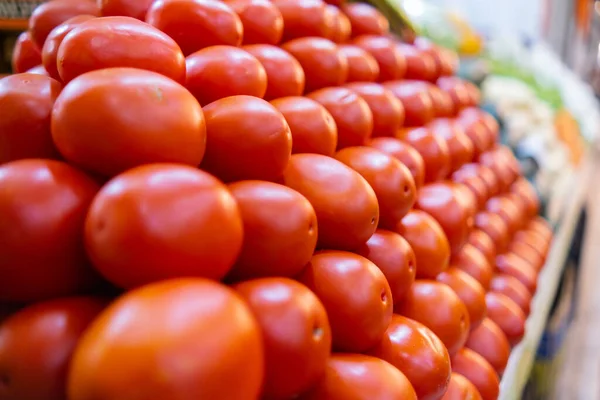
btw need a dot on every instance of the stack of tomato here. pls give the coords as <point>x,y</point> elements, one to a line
<point>253,199</point>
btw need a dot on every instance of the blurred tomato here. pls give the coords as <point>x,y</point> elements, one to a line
<point>513,265</point>
<point>392,64</point>
<point>541,226</point>
<point>26,54</point>
<point>512,288</point>
<point>491,343</point>
<point>460,146</point>
<point>504,207</point>
<point>479,372</point>
<point>296,334</point>
<point>525,190</point>
<point>303,18</point>
<point>507,315</point>
<point>507,158</point>
<point>472,261</point>
<point>457,90</point>
<point>404,153</point>
<point>495,227</point>
<point>483,242</point>
<point>417,102</point>
<point>474,96</point>
<point>461,388</point>
<point>469,290</point>
<point>495,162</point>
<point>419,64</point>
<point>534,240</point>
<point>362,66</point>
<point>474,182</point>
<point>476,131</point>
<point>486,174</point>
<point>341,27</point>
<point>387,110</point>
<point>366,19</point>
<point>528,254</point>
<point>261,19</point>
<point>446,61</point>
<point>432,148</point>
<point>442,102</point>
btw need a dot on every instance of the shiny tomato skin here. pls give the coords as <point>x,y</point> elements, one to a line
<point>469,290</point>
<point>543,227</point>
<point>472,261</point>
<point>196,24</point>
<point>404,153</point>
<point>442,102</point>
<point>528,254</point>
<point>508,211</point>
<point>492,160</point>
<point>484,243</point>
<point>446,61</point>
<point>120,228</point>
<point>461,388</point>
<point>392,64</point>
<point>387,110</point>
<point>43,205</point>
<point>217,72</point>
<point>261,19</point>
<point>361,377</point>
<point>475,183</point>
<point>312,126</point>
<point>280,230</point>
<point>366,19</point>
<point>419,65</point>
<point>36,345</point>
<point>362,66</point>
<point>26,53</point>
<point>514,289</point>
<point>507,315</point>
<point>419,354</point>
<point>128,8</point>
<point>285,76</point>
<point>476,131</point>
<point>511,264</point>
<point>525,190</point>
<point>119,42</point>
<point>479,372</point>
<point>38,70</point>
<point>170,125</point>
<point>27,100</point>
<point>432,148</point>
<point>491,343</point>
<point>355,294</point>
<point>351,113</point>
<point>495,227</point>
<point>417,102</point>
<point>459,145</point>
<point>428,241</point>
<point>182,336</point>
<point>534,240</point>
<point>296,334</point>
<point>457,90</point>
<point>304,18</point>
<point>341,28</point>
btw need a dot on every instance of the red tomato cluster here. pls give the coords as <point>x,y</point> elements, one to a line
<point>251,199</point>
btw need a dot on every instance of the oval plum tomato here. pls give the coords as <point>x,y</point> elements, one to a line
<point>390,179</point>
<point>366,19</point>
<point>323,63</point>
<point>27,100</point>
<point>469,290</point>
<point>285,76</point>
<point>492,160</point>
<point>513,265</point>
<point>304,18</point>
<point>38,70</point>
<point>261,19</point>
<point>507,315</point>
<point>217,72</point>
<point>514,289</point>
<point>280,230</point>
<point>419,65</point>
<point>484,243</point>
<point>495,227</point>
<point>459,144</point>
<point>419,354</point>
<point>541,226</point>
<point>360,377</point>
<point>387,110</point>
<point>525,190</point>
<point>479,372</point>
<point>127,8</point>
<point>53,41</point>
<point>506,209</point>
<point>534,240</point>
<point>476,131</point>
<point>472,261</point>
<point>404,153</point>
<point>362,66</point>
<point>36,345</point>
<point>296,334</point>
<point>43,205</point>
<point>392,254</point>
<point>312,126</point>
<point>461,388</point>
<point>341,28</point>
<point>351,113</point>
<point>485,174</point>
<point>182,336</point>
<point>169,123</point>
<point>427,239</point>
<point>26,54</point>
<point>415,98</point>
<point>442,102</point>
<point>491,343</point>
<point>528,254</point>
<point>196,24</point>
<point>324,181</point>
<point>120,229</point>
<point>446,61</point>
<point>457,90</point>
<point>392,64</point>
<point>474,183</point>
<point>432,148</point>
<point>355,294</point>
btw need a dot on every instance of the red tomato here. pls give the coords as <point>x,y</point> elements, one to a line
<point>262,21</point>
<point>120,229</point>
<point>182,337</point>
<point>495,227</point>
<point>525,190</point>
<point>541,226</point>
<point>26,54</point>
<point>392,182</point>
<point>476,130</point>
<point>485,174</point>
<point>507,315</point>
<point>534,240</point>
<point>491,343</point>
<point>323,63</point>
<point>419,354</point>
<point>43,206</point>
<point>512,288</point>
<point>341,28</point>
<point>38,70</point>
<point>492,160</point>
<point>446,61</point>
<point>36,345</point>
<point>27,100</point>
<point>432,148</point>
<point>528,254</point>
<point>419,64</point>
<point>280,230</point>
<point>128,8</point>
<point>196,24</point>
<point>460,146</point>
<point>350,112</point>
<point>457,90</point>
<point>404,153</point>
<point>324,181</point>
<point>474,182</point>
<point>461,388</point>
<point>506,209</point>
<point>428,241</point>
<point>169,123</point>
<point>392,64</point>
<point>417,102</point>
<point>362,66</point>
<point>303,18</point>
<point>507,158</point>
<point>387,110</point>
<point>469,290</point>
<point>285,76</point>
<point>296,334</point>
<point>359,377</point>
<point>474,94</point>
<point>484,243</point>
<point>442,102</point>
<point>355,294</point>
<point>366,19</point>
<point>513,265</point>
<point>479,372</point>
<point>472,261</point>
<point>217,72</point>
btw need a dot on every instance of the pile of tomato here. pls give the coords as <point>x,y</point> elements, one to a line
<point>253,199</point>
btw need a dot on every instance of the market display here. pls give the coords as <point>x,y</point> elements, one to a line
<point>254,199</point>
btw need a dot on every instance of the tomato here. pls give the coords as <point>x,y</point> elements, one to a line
<point>280,230</point>
<point>169,123</point>
<point>506,209</point>
<point>507,315</point>
<point>428,241</point>
<point>442,102</point>
<point>43,205</point>
<point>182,337</point>
<point>419,354</point>
<point>312,126</point>
<point>27,100</point>
<point>474,94</point>
<point>36,345</point>
<point>491,343</point>
<point>390,179</point>
<point>387,110</point>
<point>360,377</point>
<point>514,289</point>
<point>534,240</point>
<point>323,63</point>
<point>285,76</point>
<point>461,388</point>
<point>26,54</point>
<point>298,346</point>
<point>507,157</point>
<point>484,173</point>
<point>484,243</point>
<point>351,113</point>
<point>541,226</point>
<point>392,254</point>
<point>479,372</point>
<point>492,160</point>
<point>261,19</point>
<point>362,66</point>
<point>404,153</point>
<point>476,131</point>
<point>355,294</point>
<point>53,41</point>
<point>446,61</point>
<point>472,261</point>
<point>217,72</point>
<point>460,146</point>
<point>120,229</point>
<point>341,28</point>
<point>366,19</point>
<point>470,292</point>
<point>417,102</point>
<point>474,182</point>
<point>495,227</point>
<point>525,190</point>
<point>304,18</point>
<point>392,64</point>
<point>457,90</point>
<point>325,181</point>
<point>528,254</point>
<point>38,70</point>
<point>419,65</point>
<point>511,264</point>
<point>432,148</point>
